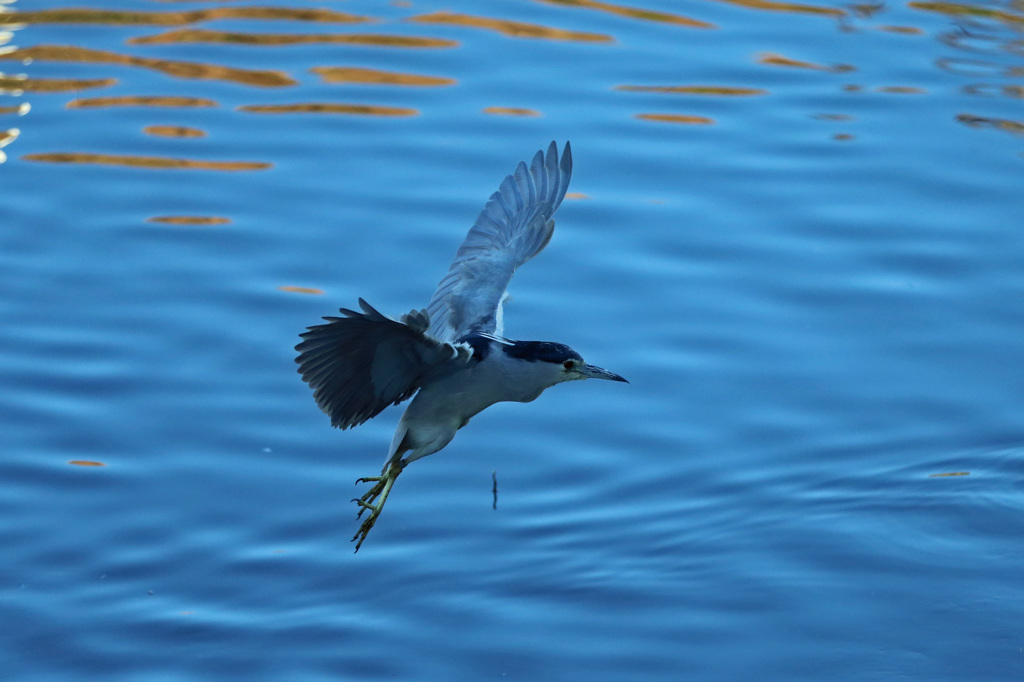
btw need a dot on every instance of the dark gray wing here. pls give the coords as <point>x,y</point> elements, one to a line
<point>363,362</point>
<point>514,226</point>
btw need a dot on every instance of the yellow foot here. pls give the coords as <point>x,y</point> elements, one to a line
<point>381,488</point>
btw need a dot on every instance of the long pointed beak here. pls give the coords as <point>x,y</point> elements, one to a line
<point>592,372</point>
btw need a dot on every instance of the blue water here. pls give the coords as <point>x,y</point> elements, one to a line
<point>813,284</point>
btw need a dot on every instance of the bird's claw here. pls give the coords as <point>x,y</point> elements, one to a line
<point>380,489</point>
<point>366,501</point>
<point>364,506</point>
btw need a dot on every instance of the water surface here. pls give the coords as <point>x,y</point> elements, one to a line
<point>794,227</point>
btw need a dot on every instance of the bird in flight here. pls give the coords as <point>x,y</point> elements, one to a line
<point>452,355</point>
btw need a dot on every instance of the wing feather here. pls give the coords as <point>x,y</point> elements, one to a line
<point>514,226</point>
<point>361,363</point>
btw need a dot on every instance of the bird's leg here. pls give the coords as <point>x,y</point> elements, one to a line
<point>381,488</point>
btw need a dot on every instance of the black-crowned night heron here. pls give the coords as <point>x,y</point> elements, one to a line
<point>451,355</point>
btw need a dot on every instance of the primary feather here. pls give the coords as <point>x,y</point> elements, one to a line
<point>513,227</point>
<point>359,364</point>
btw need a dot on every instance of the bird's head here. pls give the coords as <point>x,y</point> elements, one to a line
<point>554,363</point>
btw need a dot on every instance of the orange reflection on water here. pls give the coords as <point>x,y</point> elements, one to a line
<point>301,290</point>
<point>173,131</point>
<point>329,108</point>
<point>157,162</point>
<point>771,59</point>
<point>136,101</point>
<point>790,7</point>
<point>903,30</point>
<point>70,53</point>
<point>86,463</point>
<point>901,90</point>
<point>633,12</point>
<point>1004,124</point>
<point>953,9</point>
<point>677,118</point>
<point>343,74</point>
<point>713,90</point>
<point>516,29</point>
<point>76,15</point>
<point>992,90</point>
<point>511,111</point>
<point>196,35</point>
<point>15,84</point>
<point>7,137</point>
<point>189,220</point>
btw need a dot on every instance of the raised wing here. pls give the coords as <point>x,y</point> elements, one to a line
<point>363,362</point>
<point>514,226</point>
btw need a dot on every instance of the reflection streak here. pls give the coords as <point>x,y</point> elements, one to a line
<point>301,290</point>
<point>771,59</point>
<point>8,136</point>
<point>1003,124</point>
<point>173,131</point>
<point>196,35</point>
<point>328,108</point>
<point>15,84</point>
<point>515,29</point>
<point>157,162</point>
<point>901,90</point>
<point>953,9</point>
<point>677,118</point>
<point>632,12</point>
<point>126,18</point>
<point>342,74</point>
<point>511,111</point>
<point>134,101</point>
<point>790,7</point>
<point>188,220</point>
<point>70,53</point>
<point>714,90</point>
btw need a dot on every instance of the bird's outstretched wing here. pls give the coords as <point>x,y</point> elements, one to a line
<point>514,226</point>
<point>363,362</point>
